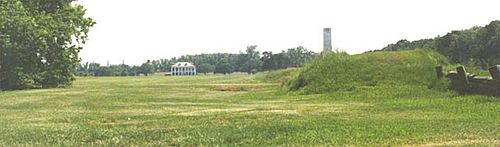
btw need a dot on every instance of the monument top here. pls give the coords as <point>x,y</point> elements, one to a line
<point>327,40</point>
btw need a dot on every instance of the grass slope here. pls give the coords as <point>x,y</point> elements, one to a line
<point>276,76</point>
<point>240,109</point>
<point>340,73</point>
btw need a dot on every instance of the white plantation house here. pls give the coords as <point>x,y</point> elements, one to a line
<point>183,69</point>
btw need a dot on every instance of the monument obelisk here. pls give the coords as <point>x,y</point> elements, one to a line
<point>327,40</point>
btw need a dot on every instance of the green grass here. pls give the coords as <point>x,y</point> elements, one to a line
<point>383,98</point>
<point>276,76</point>
<point>239,110</point>
<point>378,70</point>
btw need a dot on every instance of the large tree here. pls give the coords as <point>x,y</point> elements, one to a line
<point>205,68</point>
<point>147,68</point>
<point>267,61</point>
<point>251,60</point>
<point>475,46</point>
<point>298,56</point>
<point>40,41</point>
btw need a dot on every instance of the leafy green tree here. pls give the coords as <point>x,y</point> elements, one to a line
<point>92,68</point>
<point>83,69</point>
<point>267,61</point>
<point>104,71</point>
<point>224,67</point>
<point>251,60</point>
<point>475,46</point>
<point>134,71</point>
<point>293,57</point>
<point>156,65</point>
<point>298,56</point>
<point>15,29</point>
<point>40,41</point>
<point>281,60</point>
<point>205,68</point>
<point>147,68</point>
<point>164,65</point>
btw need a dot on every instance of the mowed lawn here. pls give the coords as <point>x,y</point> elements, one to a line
<point>240,109</point>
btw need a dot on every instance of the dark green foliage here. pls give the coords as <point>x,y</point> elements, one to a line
<point>338,72</point>
<point>250,61</point>
<point>147,68</point>
<point>407,45</point>
<point>95,69</point>
<point>293,57</point>
<point>205,68</point>
<point>224,67</point>
<point>476,46</point>
<point>298,56</point>
<point>40,41</point>
<point>223,63</point>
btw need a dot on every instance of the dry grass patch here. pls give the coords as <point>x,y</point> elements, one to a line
<point>467,142</point>
<point>42,91</point>
<point>236,87</point>
<point>23,99</point>
<point>66,93</point>
<point>65,110</point>
<point>212,111</point>
<point>144,111</point>
<point>283,112</point>
<point>177,104</point>
<point>292,107</point>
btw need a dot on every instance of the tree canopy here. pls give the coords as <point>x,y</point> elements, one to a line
<point>249,61</point>
<point>476,46</point>
<point>40,41</point>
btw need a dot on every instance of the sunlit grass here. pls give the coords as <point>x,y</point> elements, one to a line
<point>240,109</point>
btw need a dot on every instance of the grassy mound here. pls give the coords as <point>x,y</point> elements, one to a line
<point>276,76</point>
<point>379,70</point>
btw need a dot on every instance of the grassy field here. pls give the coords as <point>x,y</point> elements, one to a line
<point>239,109</point>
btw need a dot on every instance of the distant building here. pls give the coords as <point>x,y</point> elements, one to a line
<point>183,69</point>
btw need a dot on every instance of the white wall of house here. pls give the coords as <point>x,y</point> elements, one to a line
<point>183,69</point>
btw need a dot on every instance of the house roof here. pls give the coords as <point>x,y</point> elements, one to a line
<point>183,64</point>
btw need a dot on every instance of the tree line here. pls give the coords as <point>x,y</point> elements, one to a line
<point>249,61</point>
<point>39,42</point>
<point>479,46</point>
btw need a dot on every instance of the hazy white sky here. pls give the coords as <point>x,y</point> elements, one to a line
<point>137,30</point>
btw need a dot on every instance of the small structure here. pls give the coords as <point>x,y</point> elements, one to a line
<point>183,69</point>
<point>469,83</point>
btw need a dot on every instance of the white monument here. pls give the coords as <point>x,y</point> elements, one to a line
<point>327,40</point>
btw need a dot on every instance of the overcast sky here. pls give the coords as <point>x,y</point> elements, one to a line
<point>137,30</point>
